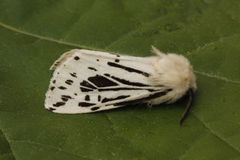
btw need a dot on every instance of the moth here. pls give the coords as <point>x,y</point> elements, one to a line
<point>89,81</point>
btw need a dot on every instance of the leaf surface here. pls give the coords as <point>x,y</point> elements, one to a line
<point>35,33</point>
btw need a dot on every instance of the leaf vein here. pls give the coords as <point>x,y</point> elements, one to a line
<point>217,77</point>
<point>49,146</point>
<point>11,28</point>
<point>216,135</point>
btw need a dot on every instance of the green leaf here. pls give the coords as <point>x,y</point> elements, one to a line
<point>34,33</point>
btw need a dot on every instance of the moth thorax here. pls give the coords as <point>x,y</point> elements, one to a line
<point>174,71</point>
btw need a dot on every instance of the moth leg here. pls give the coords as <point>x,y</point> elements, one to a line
<point>149,104</point>
<point>188,107</point>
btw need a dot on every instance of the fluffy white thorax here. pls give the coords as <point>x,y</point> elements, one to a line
<point>174,71</point>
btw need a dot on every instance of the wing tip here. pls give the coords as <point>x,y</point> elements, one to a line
<point>63,58</point>
<point>50,109</point>
<point>46,104</point>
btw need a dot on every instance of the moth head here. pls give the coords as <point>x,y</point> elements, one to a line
<point>181,69</point>
<point>176,72</point>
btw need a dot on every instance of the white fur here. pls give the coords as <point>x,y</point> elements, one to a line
<point>174,71</point>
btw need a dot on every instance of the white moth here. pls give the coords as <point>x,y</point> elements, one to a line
<point>88,81</point>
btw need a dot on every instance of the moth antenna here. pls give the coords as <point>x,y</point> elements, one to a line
<point>157,51</point>
<point>188,108</point>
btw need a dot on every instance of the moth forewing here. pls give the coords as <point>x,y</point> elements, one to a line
<point>88,81</point>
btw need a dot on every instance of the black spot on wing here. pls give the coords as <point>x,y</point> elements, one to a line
<point>123,88</point>
<point>99,98</point>
<point>52,88</point>
<point>151,96</point>
<point>117,60</point>
<point>92,68</point>
<point>73,74</point>
<point>116,98</point>
<point>69,82</point>
<point>58,104</point>
<point>106,74</point>
<point>129,69</point>
<point>85,89</point>
<point>87,98</point>
<point>54,81</point>
<point>85,104</point>
<point>87,84</point>
<point>51,109</point>
<point>66,97</point>
<point>62,87</point>
<point>94,108</point>
<point>101,81</point>
<point>123,81</point>
<point>76,58</point>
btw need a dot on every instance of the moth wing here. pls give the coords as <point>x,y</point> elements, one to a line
<point>87,81</point>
